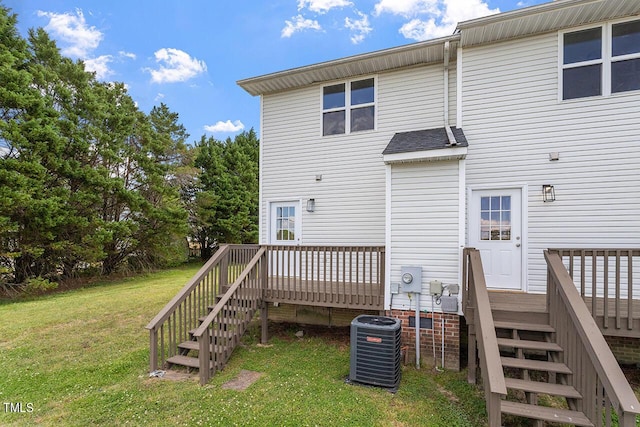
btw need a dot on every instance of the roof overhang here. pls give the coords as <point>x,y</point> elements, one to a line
<point>552,16</point>
<point>442,154</point>
<point>431,51</point>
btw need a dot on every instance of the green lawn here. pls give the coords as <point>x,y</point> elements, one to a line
<point>81,358</point>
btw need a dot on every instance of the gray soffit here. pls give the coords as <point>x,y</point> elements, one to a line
<point>423,140</point>
<point>431,51</point>
<point>552,16</point>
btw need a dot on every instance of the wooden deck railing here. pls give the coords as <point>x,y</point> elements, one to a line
<point>172,324</point>
<point>596,374</point>
<point>222,329</point>
<point>482,335</point>
<point>332,276</point>
<point>605,279</point>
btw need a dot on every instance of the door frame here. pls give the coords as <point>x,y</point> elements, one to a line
<point>524,212</point>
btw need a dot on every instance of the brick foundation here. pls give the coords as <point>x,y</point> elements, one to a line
<point>451,338</point>
<point>625,349</point>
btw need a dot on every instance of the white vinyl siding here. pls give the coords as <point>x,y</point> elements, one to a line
<point>424,224</point>
<point>513,120</point>
<point>350,198</point>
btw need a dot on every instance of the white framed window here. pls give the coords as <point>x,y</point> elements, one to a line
<point>600,61</point>
<point>348,107</point>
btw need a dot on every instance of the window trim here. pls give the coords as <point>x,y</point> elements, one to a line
<point>348,107</point>
<point>606,60</point>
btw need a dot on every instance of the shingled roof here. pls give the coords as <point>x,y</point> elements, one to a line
<point>422,140</point>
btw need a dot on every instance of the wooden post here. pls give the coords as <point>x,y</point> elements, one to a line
<point>153,350</point>
<point>471,356</point>
<point>264,319</point>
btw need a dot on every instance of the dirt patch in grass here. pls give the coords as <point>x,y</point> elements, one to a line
<point>243,380</point>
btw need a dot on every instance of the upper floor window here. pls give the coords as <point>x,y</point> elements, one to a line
<point>348,107</point>
<point>601,60</point>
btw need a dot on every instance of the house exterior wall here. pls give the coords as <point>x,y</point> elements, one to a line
<point>424,225</point>
<point>350,198</point>
<point>513,119</point>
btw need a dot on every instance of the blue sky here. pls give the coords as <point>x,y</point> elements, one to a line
<point>189,54</point>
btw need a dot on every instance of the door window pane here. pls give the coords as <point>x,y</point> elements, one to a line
<point>495,218</point>
<point>285,223</point>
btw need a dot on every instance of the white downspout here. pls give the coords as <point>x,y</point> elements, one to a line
<point>450,136</point>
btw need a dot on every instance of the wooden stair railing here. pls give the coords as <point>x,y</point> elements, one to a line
<point>596,373</point>
<point>482,331</point>
<point>173,324</point>
<point>221,330</point>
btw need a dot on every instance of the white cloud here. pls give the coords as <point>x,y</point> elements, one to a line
<point>407,7</point>
<point>158,97</point>
<point>227,126</point>
<point>299,23</point>
<point>78,38</point>
<point>175,66</point>
<point>433,18</point>
<point>129,55</point>
<point>359,27</point>
<point>100,66</point>
<point>322,6</point>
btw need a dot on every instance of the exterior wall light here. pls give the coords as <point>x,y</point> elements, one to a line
<point>548,193</point>
<point>311,205</point>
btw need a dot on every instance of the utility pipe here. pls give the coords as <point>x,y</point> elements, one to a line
<point>417,331</point>
<point>450,136</point>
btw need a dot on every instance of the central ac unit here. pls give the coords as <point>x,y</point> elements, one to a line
<point>375,351</point>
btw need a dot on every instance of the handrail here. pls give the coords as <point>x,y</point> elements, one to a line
<point>173,324</point>
<point>333,276</point>
<point>581,324</point>
<point>605,277</point>
<point>208,344</point>
<point>477,297</point>
<point>186,289</point>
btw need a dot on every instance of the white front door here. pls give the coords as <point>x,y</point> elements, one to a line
<point>495,229</point>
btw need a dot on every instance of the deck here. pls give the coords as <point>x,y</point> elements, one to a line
<point>617,310</point>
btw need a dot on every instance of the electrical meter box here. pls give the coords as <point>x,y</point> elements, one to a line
<point>411,279</point>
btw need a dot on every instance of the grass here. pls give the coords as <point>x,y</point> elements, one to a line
<point>81,358</point>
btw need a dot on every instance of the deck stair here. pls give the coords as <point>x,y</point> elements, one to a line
<point>235,321</point>
<point>532,365</point>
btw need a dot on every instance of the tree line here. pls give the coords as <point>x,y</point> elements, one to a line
<point>89,184</point>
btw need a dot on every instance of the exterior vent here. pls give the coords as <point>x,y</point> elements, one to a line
<point>375,351</point>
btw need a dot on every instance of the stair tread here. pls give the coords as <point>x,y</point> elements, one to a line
<point>529,345</point>
<point>543,388</point>
<point>544,413</point>
<point>536,327</point>
<point>536,365</point>
<point>189,345</point>
<point>191,362</point>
